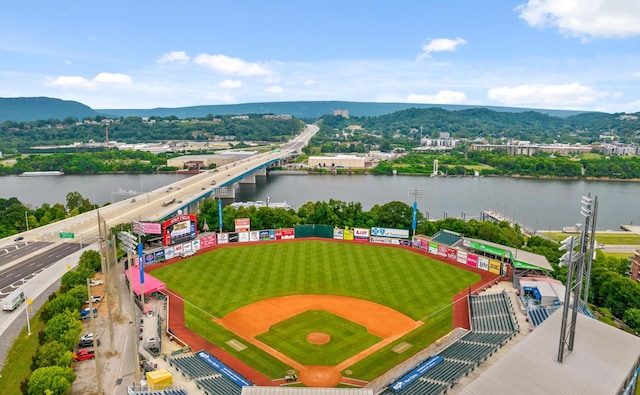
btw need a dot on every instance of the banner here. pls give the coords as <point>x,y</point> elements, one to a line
<point>243,237</point>
<point>233,237</point>
<point>338,234</point>
<point>267,235</point>
<point>452,253</point>
<point>208,241</point>
<point>254,236</point>
<point>348,234</point>
<point>361,234</point>
<point>168,253</point>
<point>147,228</point>
<point>224,370</point>
<point>149,259</point>
<point>195,245</point>
<point>433,248</point>
<point>186,248</point>
<point>288,233</point>
<point>495,267</point>
<point>223,238</point>
<point>472,260</point>
<point>416,373</point>
<point>488,249</point>
<point>442,250</point>
<point>462,257</point>
<point>390,232</point>
<point>483,263</point>
<point>243,224</point>
<point>159,255</point>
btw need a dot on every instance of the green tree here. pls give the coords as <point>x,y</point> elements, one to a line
<point>53,380</point>
<point>52,353</point>
<point>632,318</point>
<point>65,328</point>
<point>61,303</point>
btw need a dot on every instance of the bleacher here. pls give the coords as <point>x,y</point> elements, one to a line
<point>493,323</point>
<point>447,238</point>
<point>219,385</point>
<point>192,367</point>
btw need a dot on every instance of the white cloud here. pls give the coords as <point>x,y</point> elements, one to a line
<point>71,82</point>
<point>228,65</point>
<point>230,84</point>
<point>274,89</point>
<point>179,57</point>
<point>309,82</point>
<point>439,45</point>
<point>112,79</point>
<point>636,74</point>
<point>442,97</point>
<point>585,19</point>
<point>566,96</point>
<point>99,81</point>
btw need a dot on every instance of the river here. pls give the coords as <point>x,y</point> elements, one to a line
<point>538,204</point>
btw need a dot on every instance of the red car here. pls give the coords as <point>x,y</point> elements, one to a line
<point>83,355</point>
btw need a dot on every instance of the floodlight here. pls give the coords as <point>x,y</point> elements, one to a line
<point>567,244</point>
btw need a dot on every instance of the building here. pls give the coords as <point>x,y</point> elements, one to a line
<point>339,162</point>
<point>342,113</point>
<point>635,266</point>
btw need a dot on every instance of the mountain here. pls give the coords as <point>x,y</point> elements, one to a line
<point>20,109</point>
<point>309,109</point>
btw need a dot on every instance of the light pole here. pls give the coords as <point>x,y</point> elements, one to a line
<point>415,192</point>
<point>26,220</point>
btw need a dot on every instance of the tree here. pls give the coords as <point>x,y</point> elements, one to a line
<point>90,259</point>
<point>54,380</point>
<point>52,353</point>
<point>632,318</point>
<point>65,328</point>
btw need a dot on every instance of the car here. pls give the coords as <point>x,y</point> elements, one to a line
<point>213,182</point>
<point>93,283</point>
<point>86,313</point>
<point>84,355</point>
<point>133,200</point>
<point>203,188</point>
<point>19,238</point>
<point>179,201</point>
<point>89,336</point>
<point>178,188</point>
<point>94,299</point>
<point>87,343</point>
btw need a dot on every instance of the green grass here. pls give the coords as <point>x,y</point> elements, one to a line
<point>601,237</point>
<point>226,279</point>
<point>17,365</point>
<point>619,255</point>
<point>347,338</point>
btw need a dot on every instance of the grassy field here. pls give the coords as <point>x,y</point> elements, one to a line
<point>623,238</point>
<point>17,365</point>
<point>219,282</point>
<point>347,338</point>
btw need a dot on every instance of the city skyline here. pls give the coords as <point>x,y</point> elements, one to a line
<point>548,54</point>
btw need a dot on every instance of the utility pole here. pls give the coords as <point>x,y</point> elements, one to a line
<point>95,338</point>
<point>117,278</point>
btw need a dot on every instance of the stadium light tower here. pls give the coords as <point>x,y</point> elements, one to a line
<point>415,192</point>
<point>576,273</point>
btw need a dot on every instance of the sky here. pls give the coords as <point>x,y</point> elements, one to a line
<point>547,54</point>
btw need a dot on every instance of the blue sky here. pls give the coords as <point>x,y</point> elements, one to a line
<point>555,54</point>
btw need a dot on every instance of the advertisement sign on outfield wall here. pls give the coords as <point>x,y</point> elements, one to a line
<point>338,234</point>
<point>452,253</point>
<point>488,249</point>
<point>388,240</point>
<point>287,233</point>
<point>472,260</point>
<point>179,229</point>
<point>266,235</point>
<point>254,236</point>
<point>442,250</point>
<point>433,248</point>
<point>223,238</point>
<point>168,253</point>
<point>159,255</point>
<point>361,234</point>
<point>390,232</point>
<point>462,257</point>
<point>348,234</point>
<point>483,263</point>
<point>243,237</point>
<point>195,245</point>
<point>495,267</point>
<point>177,250</point>
<point>208,241</point>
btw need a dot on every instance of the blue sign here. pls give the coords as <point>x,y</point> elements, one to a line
<point>416,373</point>
<point>224,370</point>
<point>141,262</point>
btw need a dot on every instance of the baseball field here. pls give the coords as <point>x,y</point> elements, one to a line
<point>323,309</point>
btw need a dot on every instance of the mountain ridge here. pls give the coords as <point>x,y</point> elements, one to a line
<point>22,109</point>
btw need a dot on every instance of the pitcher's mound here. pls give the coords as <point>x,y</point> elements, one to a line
<point>318,338</point>
<point>319,376</point>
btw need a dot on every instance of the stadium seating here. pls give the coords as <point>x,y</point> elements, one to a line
<point>446,238</point>
<point>219,385</point>
<point>193,367</point>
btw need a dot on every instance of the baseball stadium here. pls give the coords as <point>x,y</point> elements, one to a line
<point>323,309</point>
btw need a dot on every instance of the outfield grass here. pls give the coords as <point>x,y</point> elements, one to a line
<point>290,337</point>
<point>220,282</point>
